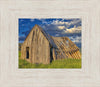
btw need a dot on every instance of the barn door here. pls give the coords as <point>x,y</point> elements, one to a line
<point>27,52</point>
<point>51,54</point>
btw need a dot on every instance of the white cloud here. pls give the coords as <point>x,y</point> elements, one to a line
<point>75,21</point>
<point>76,39</point>
<point>66,23</point>
<point>62,22</point>
<point>57,22</point>
<point>70,30</point>
<point>45,22</point>
<point>73,30</point>
<point>61,27</point>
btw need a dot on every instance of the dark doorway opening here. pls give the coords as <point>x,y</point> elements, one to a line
<point>51,54</point>
<point>27,52</point>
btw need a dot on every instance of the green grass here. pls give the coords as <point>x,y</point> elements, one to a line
<point>64,63</point>
<point>19,54</point>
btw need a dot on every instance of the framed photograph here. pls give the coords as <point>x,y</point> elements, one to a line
<point>49,43</point>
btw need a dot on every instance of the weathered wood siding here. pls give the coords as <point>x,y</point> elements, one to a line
<point>39,50</point>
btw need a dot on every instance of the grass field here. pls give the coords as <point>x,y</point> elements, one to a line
<point>65,63</point>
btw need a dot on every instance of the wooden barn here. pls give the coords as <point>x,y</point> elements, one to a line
<point>40,47</point>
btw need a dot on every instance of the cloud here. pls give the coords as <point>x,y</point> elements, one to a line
<point>44,21</point>
<point>58,27</point>
<point>61,27</point>
<point>76,39</point>
<point>57,22</point>
<point>73,30</point>
<point>67,23</point>
<point>65,27</point>
<point>54,27</point>
<point>75,21</point>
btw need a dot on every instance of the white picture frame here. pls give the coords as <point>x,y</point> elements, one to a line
<point>12,76</point>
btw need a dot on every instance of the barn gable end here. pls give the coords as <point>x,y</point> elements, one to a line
<point>39,47</point>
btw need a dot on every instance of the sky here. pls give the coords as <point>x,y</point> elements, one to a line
<point>58,27</point>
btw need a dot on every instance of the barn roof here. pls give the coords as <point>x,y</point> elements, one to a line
<point>47,37</point>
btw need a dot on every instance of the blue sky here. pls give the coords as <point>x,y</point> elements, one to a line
<point>53,26</point>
